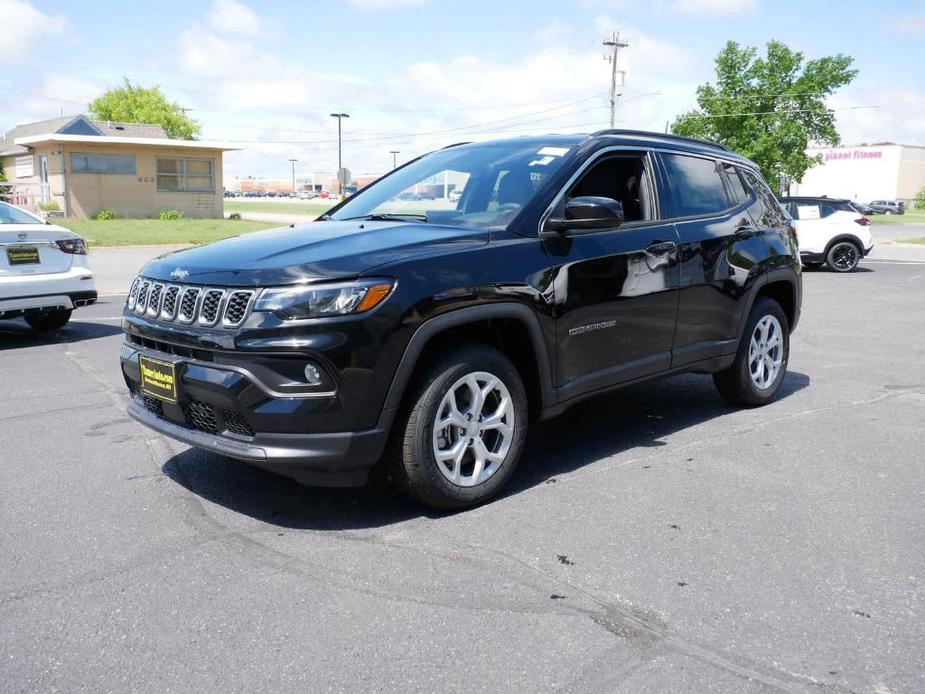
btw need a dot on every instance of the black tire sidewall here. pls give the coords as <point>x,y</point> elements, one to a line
<point>46,321</point>
<point>423,479</point>
<point>735,384</point>
<point>830,263</point>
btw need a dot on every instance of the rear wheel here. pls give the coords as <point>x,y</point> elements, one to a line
<point>843,256</point>
<point>465,429</point>
<point>46,321</point>
<point>761,360</point>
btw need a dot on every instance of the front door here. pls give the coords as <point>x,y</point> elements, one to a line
<point>616,290</point>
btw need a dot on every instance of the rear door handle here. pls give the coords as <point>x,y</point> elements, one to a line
<point>661,247</point>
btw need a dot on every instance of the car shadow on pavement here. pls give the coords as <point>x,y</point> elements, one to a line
<point>16,334</point>
<point>638,416</point>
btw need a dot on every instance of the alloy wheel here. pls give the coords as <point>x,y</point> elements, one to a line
<point>844,256</point>
<point>766,352</point>
<point>473,429</point>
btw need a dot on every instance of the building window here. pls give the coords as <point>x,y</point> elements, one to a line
<point>103,163</point>
<point>186,175</point>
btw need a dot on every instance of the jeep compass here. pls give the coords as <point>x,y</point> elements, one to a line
<point>428,319</point>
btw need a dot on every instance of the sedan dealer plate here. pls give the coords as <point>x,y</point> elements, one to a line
<point>23,255</point>
<point>158,378</point>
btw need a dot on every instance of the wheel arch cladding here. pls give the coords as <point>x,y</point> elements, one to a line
<point>781,291</point>
<point>511,328</point>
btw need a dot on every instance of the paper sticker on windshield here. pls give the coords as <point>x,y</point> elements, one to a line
<point>541,162</point>
<point>553,152</point>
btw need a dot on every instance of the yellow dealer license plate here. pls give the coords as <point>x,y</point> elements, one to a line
<point>23,255</point>
<point>158,378</point>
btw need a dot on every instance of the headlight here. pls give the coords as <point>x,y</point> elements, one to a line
<point>321,300</point>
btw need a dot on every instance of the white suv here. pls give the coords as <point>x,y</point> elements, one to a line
<point>829,231</point>
<point>44,273</point>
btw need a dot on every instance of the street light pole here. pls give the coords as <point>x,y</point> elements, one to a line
<point>394,153</point>
<point>293,161</point>
<point>339,117</point>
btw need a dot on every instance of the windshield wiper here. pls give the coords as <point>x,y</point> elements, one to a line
<point>385,217</point>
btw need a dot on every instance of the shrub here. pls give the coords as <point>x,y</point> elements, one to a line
<point>169,215</point>
<point>235,215</point>
<point>920,199</point>
<point>50,206</point>
<point>104,213</point>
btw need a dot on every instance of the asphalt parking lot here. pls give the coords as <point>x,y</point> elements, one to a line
<point>653,540</point>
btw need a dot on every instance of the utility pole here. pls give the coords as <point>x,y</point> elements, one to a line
<point>614,45</point>
<point>394,153</point>
<point>340,117</point>
<point>292,162</point>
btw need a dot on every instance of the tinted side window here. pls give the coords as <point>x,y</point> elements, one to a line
<point>826,209</point>
<point>736,187</point>
<point>696,185</point>
<point>771,215</point>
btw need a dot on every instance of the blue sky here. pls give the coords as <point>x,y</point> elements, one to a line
<point>419,74</point>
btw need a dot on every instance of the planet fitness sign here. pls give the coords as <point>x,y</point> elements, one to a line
<point>852,154</point>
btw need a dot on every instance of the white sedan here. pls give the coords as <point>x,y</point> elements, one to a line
<point>44,274</point>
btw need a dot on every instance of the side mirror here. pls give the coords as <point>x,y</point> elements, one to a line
<point>587,213</point>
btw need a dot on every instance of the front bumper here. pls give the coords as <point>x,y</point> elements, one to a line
<point>232,411</point>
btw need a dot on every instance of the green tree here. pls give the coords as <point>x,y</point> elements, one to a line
<point>132,103</point>
<point>771,108</point>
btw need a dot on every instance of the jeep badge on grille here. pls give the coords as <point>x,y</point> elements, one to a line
<point>179,274</point>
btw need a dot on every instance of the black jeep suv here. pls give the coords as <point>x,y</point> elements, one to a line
<point>428,333</point>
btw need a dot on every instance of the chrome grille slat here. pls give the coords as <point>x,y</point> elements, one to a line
<point>236,307</point>
<point>142,302</point>
<point>209,307</point>
<point>154,299</point>
<point>189,305</point>
<point>169,307</point>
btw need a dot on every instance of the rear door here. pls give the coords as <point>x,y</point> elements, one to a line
<point>720,246</point>
<point>27,245</point>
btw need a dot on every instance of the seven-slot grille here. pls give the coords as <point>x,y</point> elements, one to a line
<point>206,306</point>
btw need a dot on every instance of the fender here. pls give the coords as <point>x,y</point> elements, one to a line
<point>462,316</point>
<point>843,237</point>
<point>775,275</point>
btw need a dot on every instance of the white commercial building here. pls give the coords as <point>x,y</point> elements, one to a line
<point>865,173</point>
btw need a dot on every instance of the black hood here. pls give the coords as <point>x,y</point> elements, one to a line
<point>310,252</point>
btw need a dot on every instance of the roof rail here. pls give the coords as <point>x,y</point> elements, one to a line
<point>663,136</point>
<point>457,144</point>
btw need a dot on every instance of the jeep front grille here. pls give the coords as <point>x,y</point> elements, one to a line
<point>176,303</point>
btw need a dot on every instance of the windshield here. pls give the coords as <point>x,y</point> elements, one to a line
<point>13,215</point>
<point>472,185</point>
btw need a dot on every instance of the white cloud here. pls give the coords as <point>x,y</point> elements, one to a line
<point>372,5</point>
<point>880,115</point>
<point>23,26</point>
<point>714,7</point>
<point>232,17</point>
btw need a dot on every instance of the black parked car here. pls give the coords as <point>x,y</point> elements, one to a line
<point>572,265</point>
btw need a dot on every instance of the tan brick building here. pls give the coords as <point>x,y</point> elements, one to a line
<point>82,165</point>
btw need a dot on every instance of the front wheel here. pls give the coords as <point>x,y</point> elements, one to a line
<point>843,256</point>
<point>465,429</point>
<point>761,360</point>
<point>46,321</point>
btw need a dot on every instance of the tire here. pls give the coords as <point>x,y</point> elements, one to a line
<point>46,321</point>
<point>418,439</point>
<point>888,212</point>
<point>843,256</point>
<point>738,384</point>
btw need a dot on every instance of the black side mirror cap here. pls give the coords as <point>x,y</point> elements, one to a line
<point>587,213</point>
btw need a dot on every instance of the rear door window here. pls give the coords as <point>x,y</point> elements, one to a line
<point>696,185</point>
<point>736,187</point>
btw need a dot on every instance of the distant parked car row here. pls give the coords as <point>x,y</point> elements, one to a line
<point>304,195</point>
<point>887,207</point>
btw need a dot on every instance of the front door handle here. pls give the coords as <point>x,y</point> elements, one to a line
<point>661,247</point>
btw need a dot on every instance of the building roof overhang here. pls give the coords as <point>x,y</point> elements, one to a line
<point>160,142</point>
